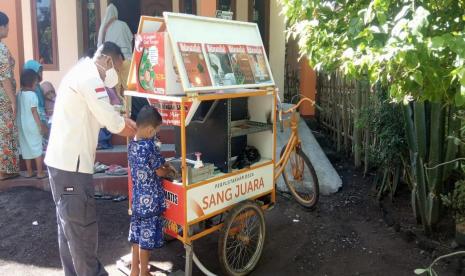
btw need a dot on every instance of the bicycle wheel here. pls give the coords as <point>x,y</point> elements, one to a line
<point>241,239</point>
<point>301,179</point>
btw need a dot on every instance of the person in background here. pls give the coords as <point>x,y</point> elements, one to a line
<point>31,129</point>
<point>116,31</point>
<point>9,165</point>
<point>37,67</point>
<point>82,107</point>
<point>50,95</point>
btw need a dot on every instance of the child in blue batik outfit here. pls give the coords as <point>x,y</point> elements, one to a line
<point>147,166</point>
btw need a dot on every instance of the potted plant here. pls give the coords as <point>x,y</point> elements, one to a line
<point>456,202</point>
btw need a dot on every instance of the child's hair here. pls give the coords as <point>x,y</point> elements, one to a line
<point>148,116</point>
<point>28,78</point>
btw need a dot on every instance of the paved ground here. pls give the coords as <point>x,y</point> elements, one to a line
<point>346,235</point>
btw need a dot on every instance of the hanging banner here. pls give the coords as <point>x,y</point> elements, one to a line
<point>170,111</point>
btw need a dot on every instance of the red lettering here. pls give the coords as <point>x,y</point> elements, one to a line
<point>228,194</point>
<point>205,202</point>
<point>255,184</point>
<point>250,187</point>
<point>262,184</point>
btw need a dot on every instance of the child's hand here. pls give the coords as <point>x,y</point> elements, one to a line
<point>43,130</point>
<point>173,169</point>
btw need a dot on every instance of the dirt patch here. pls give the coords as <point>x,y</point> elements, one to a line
<point>348,234</point>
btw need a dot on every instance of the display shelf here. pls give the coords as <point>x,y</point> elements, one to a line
<point>244,127</point>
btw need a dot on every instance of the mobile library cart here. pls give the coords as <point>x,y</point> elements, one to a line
<point>211,81</point>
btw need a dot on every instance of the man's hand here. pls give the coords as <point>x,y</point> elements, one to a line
<point>129,128</point>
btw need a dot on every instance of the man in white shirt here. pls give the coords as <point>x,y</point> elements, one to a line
<point>82,107</point>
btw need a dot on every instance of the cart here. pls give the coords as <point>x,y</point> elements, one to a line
<point>230,200</point>
<point>231,191</point>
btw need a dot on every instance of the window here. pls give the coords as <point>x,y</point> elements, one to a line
<point>188,6</point>
<point>45,33</point>
<point>91,23</point>
<point>227,5</point>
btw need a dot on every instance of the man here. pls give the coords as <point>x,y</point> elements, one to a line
<point>82,107</point>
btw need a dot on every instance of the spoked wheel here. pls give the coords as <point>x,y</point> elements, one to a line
<point>241,239</point>
<point>300,177</point>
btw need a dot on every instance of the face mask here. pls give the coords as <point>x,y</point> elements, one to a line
<point>111,76</point>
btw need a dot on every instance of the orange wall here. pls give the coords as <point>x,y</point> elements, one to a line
<point>14,41</point>
<point>206,8</point>
<point>307,86</point>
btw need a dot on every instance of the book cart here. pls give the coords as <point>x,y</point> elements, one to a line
<point>220,107</point>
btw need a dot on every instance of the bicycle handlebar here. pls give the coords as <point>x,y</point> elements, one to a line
<point>292,109</point>
<point>304,99</point>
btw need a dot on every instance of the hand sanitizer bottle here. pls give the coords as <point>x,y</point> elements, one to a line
<point>198,162</point>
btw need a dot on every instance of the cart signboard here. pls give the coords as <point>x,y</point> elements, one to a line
<point>207,199</point>
<point>205,48</point>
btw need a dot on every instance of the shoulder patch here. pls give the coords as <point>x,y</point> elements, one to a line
<point>101,92</point>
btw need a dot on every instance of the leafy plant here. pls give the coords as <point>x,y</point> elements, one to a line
<point>456,201</point>
<point>417,48</point>
<point>389,151</point>
<point>414,47</point>
<point>430,270</point>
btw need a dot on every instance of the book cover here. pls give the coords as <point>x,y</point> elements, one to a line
<point>220,64</point>
<point>150,62</point>
<point>194,63</point>
<point>258,61</point>
<point>241,64</point>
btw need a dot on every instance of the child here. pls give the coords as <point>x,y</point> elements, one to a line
<point>148,199</point>
<point>31,129</point>
<point>50,96</point>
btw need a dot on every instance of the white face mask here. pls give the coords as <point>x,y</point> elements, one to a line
<point>111,76</point>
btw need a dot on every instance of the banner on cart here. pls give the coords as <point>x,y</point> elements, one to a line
<point>170,111</point>
<point>209,198</point>
<point>174,214</point>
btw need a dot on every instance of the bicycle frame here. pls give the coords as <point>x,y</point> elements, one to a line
<point>294,139</point>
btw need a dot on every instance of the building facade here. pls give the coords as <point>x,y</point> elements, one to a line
<point>59,32</point>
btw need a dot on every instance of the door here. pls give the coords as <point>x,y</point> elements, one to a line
<point>155,7</point>
<point>129,12</point>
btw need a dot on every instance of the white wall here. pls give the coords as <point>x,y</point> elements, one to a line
<point>67,36</point>
<point>277,45</point>
<point>242,10</point>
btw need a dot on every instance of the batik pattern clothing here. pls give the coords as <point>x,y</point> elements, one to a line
<point>8,133</point>
<point>146,232</point>
<point>148,198</point>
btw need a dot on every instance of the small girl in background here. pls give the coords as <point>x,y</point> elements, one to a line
<point>31,129</point>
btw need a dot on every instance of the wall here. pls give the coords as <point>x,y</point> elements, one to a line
<point>14,41</point>
<point>206,8</point>
<point>277,45</point>
<point>242,10</point>
<point>67,36</point>
<point>175,5</point>
<point>307,86</point>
